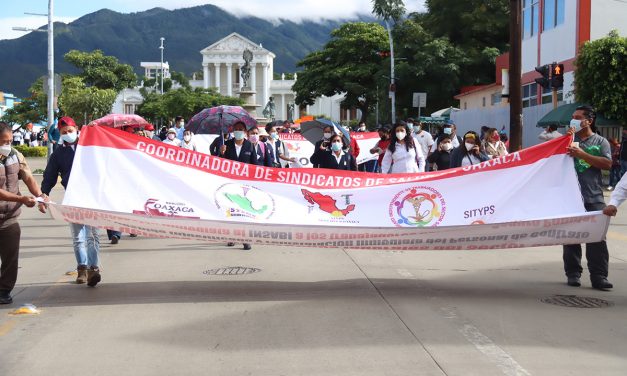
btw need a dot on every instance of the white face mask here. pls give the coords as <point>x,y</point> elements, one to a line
<point>69,137</point>
<point>416,128</point>
<point>400,135</point>
<point>575,123</point>
<point>274,135</point>
<point>336,146</point>
<point>446,146</point>
<point>187,138</point>
<point>149,134</point>
<point>327,135</point>
<point>362,128</point>
<point>469,146</point>
<point>171,136</point>
<point>5,150</point>
<point>181,124</point>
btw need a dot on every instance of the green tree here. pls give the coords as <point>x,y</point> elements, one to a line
<point>348,64</point>
<point>84,103</point>
<point>183,102</point>
<point>601,76</point>
<point>30,110</point>
<point>102,71</point>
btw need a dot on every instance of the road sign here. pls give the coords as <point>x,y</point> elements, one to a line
<point>420,100</point>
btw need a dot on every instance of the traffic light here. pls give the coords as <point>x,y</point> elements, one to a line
<point>557,75</point>
<point>545,80</point>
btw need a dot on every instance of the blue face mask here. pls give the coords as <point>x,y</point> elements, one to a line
<point>448,130</point>
<point>70,137</point>
<point>576,124</point>
<point>239,135</point>
<point>336,146</point>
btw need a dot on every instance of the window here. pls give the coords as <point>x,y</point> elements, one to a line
<point>129,108</point>
<point>530,18</point>
<point>530,95</point>
<point>483,101</point>
<point>547,96</point>
<point>496,98</point>
<point>553,13</point>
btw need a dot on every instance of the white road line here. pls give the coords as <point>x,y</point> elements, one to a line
<point>495,354</point>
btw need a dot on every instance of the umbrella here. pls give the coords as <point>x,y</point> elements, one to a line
<point>313,130</point>
<point>445,112</point>
<point>120,121</point>
<point>218,120</point>
<point>562,115</point>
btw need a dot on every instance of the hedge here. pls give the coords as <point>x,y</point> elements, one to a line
<point>32,151</point>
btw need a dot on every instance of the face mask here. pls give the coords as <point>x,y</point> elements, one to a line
<point>187,138</point>
<point>575,123</point>
<point>416,128</point>
<point>239,135</point>
<point>150,134</point>
<point>327,135</point>
<point>496,138</point>
<point>448,130</point>
<point>469,146</point>
<point>400,135</point>
<point>336,146</point>
<point>5,150</point>
<point>171,136</point>
<point>181,124</point>
<point>70,137</point>
<point>363,128</point>
<point>274,135</point>
<point>446,146</point>
<point>254,138</point>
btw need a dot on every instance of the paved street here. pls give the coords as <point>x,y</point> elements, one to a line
<point>307,311</point>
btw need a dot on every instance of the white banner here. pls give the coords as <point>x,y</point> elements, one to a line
<point>128,182</point>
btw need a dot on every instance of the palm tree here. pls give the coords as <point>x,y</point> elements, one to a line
<point>390,10</point>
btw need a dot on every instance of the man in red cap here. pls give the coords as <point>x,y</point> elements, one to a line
<point>84,238</point>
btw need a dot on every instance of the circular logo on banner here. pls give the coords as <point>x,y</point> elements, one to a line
<point>417,207</point>
<point>240,200</point>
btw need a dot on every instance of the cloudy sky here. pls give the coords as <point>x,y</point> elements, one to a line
<point>68,10</point>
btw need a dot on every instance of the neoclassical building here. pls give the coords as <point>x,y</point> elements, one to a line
<point>221,64</point>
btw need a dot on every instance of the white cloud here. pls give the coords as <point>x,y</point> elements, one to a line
<point>31,22</point>
<point>274,9</point>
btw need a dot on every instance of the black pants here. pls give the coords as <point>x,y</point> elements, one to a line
<point>596,254</point>
<point>9,254</point>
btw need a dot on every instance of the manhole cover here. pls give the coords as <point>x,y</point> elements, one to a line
<point>232,270</point>
<point>576,301</point>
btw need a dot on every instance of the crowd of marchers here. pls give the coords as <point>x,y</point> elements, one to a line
<point>404,147</point>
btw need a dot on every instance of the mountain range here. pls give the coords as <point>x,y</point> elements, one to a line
<point>134,37</point>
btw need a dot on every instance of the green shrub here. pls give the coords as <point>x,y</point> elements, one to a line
<point>32,151</point>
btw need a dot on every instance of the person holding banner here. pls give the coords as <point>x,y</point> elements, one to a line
<point>188,143</point>
<point>338,158</point>
<point>84,238</point>
<point>469,153</point>
<point>171,139</point>
<point>592,154</point>
<point>13,167</point>
<point>619,195</point>
<point>402,155</point>
<point>242,150</point>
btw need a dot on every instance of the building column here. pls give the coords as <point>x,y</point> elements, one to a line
<point>216,74</point>
<point>283,107</point>
<point>264,88</point>
<point>205,75</point>
<point>241,80</point>
<point>229,79</point>
<point>253,77</point>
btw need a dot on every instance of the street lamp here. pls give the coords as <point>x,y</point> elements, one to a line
<point>50,61</point>
<point>161,48</point>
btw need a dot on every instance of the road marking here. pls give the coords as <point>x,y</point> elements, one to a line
<point>495,354</point>
<point>6,327</point>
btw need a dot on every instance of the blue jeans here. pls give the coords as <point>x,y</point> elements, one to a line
<point>615,175</point>
<point>86,244</point>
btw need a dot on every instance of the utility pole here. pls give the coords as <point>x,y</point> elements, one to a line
<point>392,80</point>
<point>515,68</point>
<point>50,79</point>
<point>161,48</point>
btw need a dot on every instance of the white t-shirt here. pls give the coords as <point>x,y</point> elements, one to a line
<point>238,149</point>
<point>425,140</point>
<point>470,160</point>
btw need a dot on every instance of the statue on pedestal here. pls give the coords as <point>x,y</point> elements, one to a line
<point>248,57</point>
<point>268,111</point>
<point>290,111</point>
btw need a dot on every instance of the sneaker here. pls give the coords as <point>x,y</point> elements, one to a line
<point>115,239</point>
<point>601,284</point>
<point>82,274</point>
<point>573,281</point>
<point>609,187</point>
<point>5,297</point>
<point>247,247</point>
<point>93,276</point>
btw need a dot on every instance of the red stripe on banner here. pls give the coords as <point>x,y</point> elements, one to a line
<point>317,178</point>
